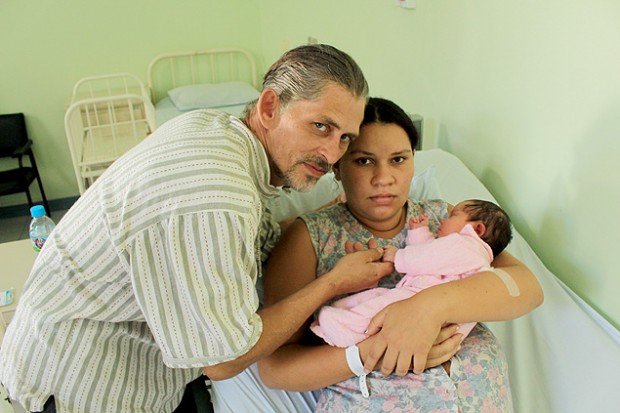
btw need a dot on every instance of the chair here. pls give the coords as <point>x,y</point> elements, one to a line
<point>14,143</point>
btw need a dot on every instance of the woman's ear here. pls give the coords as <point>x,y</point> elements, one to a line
<point>479,227</point>
<point>267,108</point>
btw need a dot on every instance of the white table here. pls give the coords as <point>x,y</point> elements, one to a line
<point>16,259</point>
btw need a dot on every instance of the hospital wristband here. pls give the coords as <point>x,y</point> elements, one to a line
<point>355,365</point>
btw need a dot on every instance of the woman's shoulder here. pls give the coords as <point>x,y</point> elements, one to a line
<point>331,214</point>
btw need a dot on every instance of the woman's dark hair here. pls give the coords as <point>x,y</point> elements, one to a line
<point>379,110</point>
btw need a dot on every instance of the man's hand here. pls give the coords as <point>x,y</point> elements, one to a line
<point>350,247</point>
<point>408,331</point>
<point>358,270</point>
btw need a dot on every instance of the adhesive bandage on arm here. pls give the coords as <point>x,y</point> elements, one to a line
<point>355,364</point>
<point>509,282</point>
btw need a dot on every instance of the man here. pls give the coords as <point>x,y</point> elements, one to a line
<point>150,277</point>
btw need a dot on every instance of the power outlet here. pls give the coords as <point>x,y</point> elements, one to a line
<point>6,297</point>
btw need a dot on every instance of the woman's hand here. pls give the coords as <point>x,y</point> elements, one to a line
<point>447,343</point>
<point>407,332</point>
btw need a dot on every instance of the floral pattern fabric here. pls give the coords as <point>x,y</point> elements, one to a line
<point>478,380</point>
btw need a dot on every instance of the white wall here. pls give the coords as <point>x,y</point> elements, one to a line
<point>47,46</point>
<point>526,93</point>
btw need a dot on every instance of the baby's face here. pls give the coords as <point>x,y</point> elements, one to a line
<point>455,222</point>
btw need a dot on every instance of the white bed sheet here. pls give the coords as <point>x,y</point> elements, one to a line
<point>166,110</point>
<point>563,357</point>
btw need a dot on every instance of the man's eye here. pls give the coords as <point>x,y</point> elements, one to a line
<point>346,139</point>
<point>320,126</point>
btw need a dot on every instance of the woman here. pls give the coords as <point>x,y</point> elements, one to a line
<point>376,173</point>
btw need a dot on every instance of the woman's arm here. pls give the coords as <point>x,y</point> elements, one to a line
<point>484,296</point>
<point>298,367</point>
<point>295,367</point>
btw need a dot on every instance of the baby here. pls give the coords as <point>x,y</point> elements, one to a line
<point>466,242</point>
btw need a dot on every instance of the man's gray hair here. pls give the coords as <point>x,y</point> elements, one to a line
<point>303,72</point>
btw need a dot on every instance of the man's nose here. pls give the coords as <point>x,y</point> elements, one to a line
<point>331,149</point>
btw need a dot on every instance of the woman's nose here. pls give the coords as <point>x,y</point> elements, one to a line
<point>383,176</point>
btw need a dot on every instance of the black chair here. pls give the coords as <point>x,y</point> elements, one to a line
<point>14,143</point>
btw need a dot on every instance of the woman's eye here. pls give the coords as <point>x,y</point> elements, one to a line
<point>362,161</point>
<point>399,159</point>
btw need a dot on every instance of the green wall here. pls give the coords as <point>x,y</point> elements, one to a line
<point>46,46</point>
<point>526,93</point>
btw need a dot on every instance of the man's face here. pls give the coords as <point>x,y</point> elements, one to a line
<point>311,135</point>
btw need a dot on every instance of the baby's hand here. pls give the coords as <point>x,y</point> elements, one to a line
<point>418,222</point>
<point>389,253</point>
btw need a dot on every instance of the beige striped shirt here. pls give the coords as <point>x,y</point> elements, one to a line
<point>149,276</point>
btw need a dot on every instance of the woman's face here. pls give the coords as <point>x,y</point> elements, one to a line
<point>376,173</point>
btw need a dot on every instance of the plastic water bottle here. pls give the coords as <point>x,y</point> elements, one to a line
<point>41,227</point>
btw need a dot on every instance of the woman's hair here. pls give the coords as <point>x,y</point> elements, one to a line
<point>498,231</point>
<point>379,110</point>
<point>303,72</point>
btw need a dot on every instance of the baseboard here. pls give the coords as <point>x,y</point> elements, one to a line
<point>13,211</point>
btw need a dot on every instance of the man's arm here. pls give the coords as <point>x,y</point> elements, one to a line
<point>285,317</point>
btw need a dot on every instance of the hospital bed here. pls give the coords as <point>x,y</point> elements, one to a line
<point>107,116</point>
<point>563,357</point>
<point>223,78</point>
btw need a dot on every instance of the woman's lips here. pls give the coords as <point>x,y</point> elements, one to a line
<point>383,198</point>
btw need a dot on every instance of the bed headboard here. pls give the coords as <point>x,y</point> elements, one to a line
<point>170,70</point>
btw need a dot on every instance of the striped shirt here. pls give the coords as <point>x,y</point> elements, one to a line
<point>148,277</point>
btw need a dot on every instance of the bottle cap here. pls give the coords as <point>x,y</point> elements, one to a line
<point>37,211</point>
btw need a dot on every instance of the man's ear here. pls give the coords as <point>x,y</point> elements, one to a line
<point>479,227</point>
<point>267,108</point>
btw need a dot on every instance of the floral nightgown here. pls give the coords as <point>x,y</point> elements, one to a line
<point>478,381</point>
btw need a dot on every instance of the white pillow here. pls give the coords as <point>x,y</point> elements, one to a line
<point>293,203</point>
<point>212,95</point>
<point>425,185</point>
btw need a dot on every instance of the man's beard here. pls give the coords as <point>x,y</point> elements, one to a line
<point>295,179</point>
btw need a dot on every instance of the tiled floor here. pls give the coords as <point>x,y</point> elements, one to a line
<point>16,228</point>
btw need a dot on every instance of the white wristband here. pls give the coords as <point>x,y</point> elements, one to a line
<point>355,364</point>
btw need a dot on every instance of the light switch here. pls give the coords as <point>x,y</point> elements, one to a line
<point>407,4</point>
